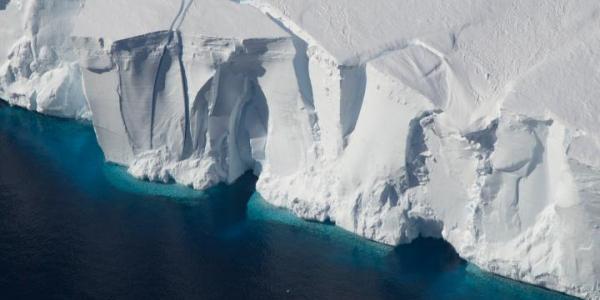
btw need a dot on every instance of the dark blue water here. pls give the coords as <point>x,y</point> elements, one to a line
<point>73,227</point>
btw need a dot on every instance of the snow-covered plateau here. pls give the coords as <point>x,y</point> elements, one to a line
<point>476,121</point>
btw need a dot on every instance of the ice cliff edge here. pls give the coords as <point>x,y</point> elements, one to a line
<point>474,121</point>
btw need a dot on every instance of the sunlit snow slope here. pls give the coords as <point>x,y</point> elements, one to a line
<point>474,120</point>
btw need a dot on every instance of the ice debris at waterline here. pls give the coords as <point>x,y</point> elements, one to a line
<point>69,229</point>
<point>471,120</point>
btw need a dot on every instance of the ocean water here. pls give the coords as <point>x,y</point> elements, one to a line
<point>74,227</point>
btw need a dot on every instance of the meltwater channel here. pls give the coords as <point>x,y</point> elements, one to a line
<point>75,227</point>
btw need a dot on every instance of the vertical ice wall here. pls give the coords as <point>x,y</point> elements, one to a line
<point>476,127</point>
<point>196,105</point>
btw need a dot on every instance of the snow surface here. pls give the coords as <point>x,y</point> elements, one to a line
<point>38,69</point>
<point>469,120</point>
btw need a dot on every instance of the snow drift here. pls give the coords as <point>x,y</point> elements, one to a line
<point>473,121</point>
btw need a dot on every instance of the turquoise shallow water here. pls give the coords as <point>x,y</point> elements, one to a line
<point>72,226</point>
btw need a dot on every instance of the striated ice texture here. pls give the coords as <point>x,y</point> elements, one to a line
<point>475,121</point>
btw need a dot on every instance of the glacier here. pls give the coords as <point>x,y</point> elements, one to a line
<point>472,121</point>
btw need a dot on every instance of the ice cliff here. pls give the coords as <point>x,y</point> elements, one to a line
<point>474,121</point>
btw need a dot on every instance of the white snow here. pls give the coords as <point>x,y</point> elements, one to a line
<point>471,120</point>
<point>38,70</point>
